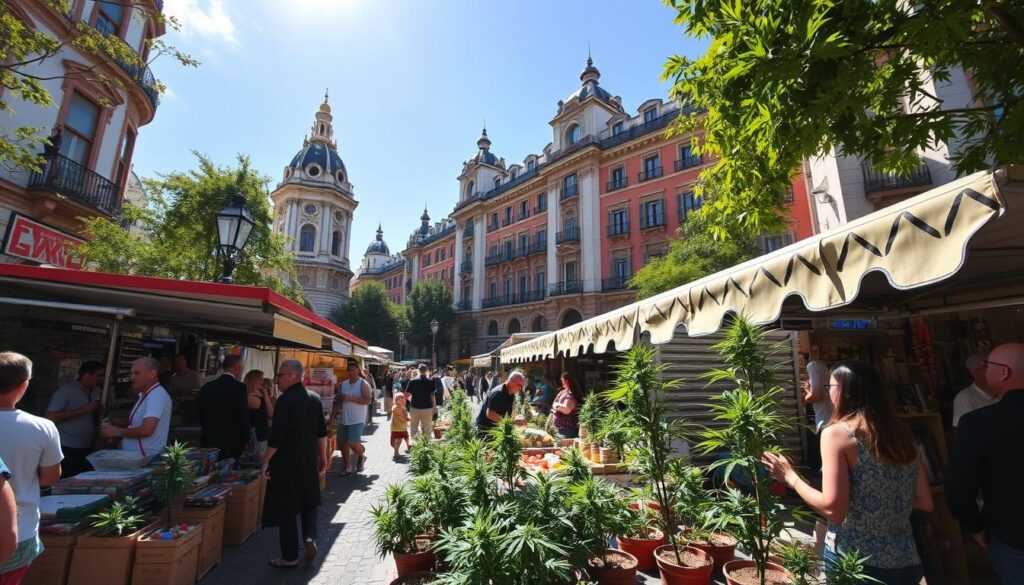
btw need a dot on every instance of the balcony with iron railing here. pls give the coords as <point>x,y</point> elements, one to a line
<point>617,282</point>
<point>652,220</point>
<point>492,226</point>
<point>65,177</point>
<point>513,299</point>
<point>139,72</point>
<point>382,269</point>
<point>687,162</point>
<point>617,183</point>
<point>568,192</point>
<point>540,208</point>
<point>522,215</point>
<point>618,229</point>
<point>569,235</point>
<point>494,259</point>
<point>566,288</point>
<point>506,221</point>
<point>467,266</point>
<point>464,305</point>
<point>537,246</point>
<point>467,232</point>
<point>876,181</point>
<point>649,173</point>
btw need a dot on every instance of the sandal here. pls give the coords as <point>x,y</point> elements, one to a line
<point>283,564</point>
<point>362,462</point>
<point>345,472</point>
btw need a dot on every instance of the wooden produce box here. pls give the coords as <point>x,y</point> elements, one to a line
<point>212,545</point>
<point>51,567</point>
<point>167,562</point>
<point>608,468</point>
<point>106,559</point>
<point>242,512</point>
<point>263,497</point>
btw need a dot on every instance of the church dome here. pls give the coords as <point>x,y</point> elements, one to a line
<point>378,246</point>
<point>484,154</point>
<point>323,155</point>
<point>590,87</point>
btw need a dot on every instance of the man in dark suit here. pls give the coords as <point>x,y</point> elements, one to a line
<point>223,412</point>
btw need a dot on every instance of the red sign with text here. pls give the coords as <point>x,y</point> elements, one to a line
<point>40,243</point>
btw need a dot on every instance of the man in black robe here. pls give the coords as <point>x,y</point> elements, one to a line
<point>224,412</point>
<point>296,456</point>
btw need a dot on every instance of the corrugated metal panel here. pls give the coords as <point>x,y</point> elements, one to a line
<point>686,359</point>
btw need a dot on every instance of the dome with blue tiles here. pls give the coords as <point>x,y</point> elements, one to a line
<point>484,154</point>
<point>318,160</point>
<point>322,155</point>
<point>378,246</point>
<point>590,87</point>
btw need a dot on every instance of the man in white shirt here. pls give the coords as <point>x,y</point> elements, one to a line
<point>30,447</point>
<point>150,419</point>
<point>976,395</point>
<point>448,382</point>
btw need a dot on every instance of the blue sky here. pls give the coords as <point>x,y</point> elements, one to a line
<point>411,84</point>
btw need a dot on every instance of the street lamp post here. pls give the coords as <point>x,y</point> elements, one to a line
<point>234,224</point>
<point>401,345</point>
<point>433,343</point>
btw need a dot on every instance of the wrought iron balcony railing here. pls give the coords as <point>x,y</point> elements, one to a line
<point>66,177</point>
<point>618,229</point>
<point>875,181</point>
<point>566,288</point>
<point>467,266</point>
<point>617,183</point>
<point>568,192</point>
<point>617,282</point>
<point>689,161</point>
<point>650,220</point>
<point>648,174</point>
<point>570,235</point>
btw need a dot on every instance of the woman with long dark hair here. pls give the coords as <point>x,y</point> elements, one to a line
<point>565,409</point>
<point>871,478</point>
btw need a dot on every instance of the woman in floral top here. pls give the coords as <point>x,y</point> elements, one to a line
<point>565,410</point>
<point>871,478</point>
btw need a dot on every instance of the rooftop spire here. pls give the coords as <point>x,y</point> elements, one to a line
<point>484,143</point>
<point>322,130</point>
<point>590,73</point>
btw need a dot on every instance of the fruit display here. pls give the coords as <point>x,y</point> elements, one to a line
<point>543,462</point>
<point>536,438</point>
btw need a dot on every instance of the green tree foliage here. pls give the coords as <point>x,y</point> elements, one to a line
<point>429,299</point>
<point>370,314</point>
<point>180,231</point>
<point>787,79</point>
<point>24,47</point>
<point>696,253</point>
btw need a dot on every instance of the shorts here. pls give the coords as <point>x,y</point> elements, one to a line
<point>399,436</point>
<point>350,433</point>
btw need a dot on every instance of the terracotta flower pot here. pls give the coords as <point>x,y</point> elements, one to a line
<point>643,548</point>
<point>621,572</point>
<point>721,552</point>
<point>417,578</point>
<point>732,567</point>
<point>673,573</point>
<point>408,563</point>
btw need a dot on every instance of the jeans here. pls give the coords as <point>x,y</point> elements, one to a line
<point>1007,561</point>
<point>901,576</point>
<point>288,533</point>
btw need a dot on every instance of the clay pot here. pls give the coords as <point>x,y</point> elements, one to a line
<point>414,578</point>
<point>643,548</point>
<point>674,574</point>
<point>409,563</point>
<point>721,553</point>
<point>607,455</point>
<point>606,575</point>
<point>733,566</point>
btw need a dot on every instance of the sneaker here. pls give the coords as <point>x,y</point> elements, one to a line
<point>310,549</point>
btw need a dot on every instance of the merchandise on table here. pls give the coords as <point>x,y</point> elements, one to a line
<point>207,497</point>
<point>537,438</point>
<point>116,459</point>
<point>70,508</point>
<point>205,458</point>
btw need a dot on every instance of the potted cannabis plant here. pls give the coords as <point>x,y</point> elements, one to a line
<point>506,446</point>
<point>599,514</point>
<point>590,420</point>
<point>398,529</point>
<point>639,388</point>
<point>749,425</point>
<point>107,552</point>
<point>696,504</point>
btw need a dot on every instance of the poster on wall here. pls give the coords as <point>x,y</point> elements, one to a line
<point>31,240</point>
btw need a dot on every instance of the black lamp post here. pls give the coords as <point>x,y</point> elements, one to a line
<point>401,345</point>
<point>234,224</point>
<point>433,343</point>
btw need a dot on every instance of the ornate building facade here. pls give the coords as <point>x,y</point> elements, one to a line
<point>313,206</point>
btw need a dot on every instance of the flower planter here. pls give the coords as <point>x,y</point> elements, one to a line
<point>618,568</point>
<point>721,547</point>
<point>643,548</point>
<point>105,559</point>
<point>417,578</point>
<point>695,570</point>
<point>240,516</point>
<point>212,545</point>
<point>51,567</point>
<point>167,562</point>
<point>744,572</point>
<point>606,455</point>
<point>409,563</point>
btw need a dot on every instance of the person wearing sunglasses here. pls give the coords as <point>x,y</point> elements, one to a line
<point>987,460</point>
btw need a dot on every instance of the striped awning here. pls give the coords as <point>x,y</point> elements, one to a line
<point>917,242</point>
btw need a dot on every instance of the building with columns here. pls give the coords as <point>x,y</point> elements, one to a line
<point>553,240</point>
<point>313,206</point>
<point>380,265</point>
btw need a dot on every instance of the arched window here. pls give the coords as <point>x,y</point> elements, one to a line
<point>307,238</point>
<point>514,326</point>
<point>573,135</point>
<point>571,318</point>
<point>336,243</point>
<point>469,189</point>
<point>492,328</point>
<point>321,128</point>
<point>539,324</point>
<point>497,182</point>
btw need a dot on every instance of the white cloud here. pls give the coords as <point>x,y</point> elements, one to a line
<point>206,19</point>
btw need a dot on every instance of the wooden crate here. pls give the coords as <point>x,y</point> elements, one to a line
<point>106,559</point>
<point>608,468</point>
<point>167,562</point>
<point>240,517</point>
<point>212,545</point>
<point>263,497</point>
<point>51,567</point>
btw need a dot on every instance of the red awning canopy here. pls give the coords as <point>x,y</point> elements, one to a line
<point>226,311</point>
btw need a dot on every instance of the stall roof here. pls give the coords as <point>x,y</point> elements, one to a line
<point>234,312</point>
<point>906,258</point>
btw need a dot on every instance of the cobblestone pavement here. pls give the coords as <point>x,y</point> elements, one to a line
<point>346,554</point>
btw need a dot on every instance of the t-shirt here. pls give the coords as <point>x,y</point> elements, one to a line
<point>27,443</point>
<point>499,401</point>
<point>421,389</point>
<point>153,404</point>
<point>448,382</point>
<point>77,432</point>
<point>399,418</point>
<point>183,385</point>
<point>968,399</point>
<point>352,413</point>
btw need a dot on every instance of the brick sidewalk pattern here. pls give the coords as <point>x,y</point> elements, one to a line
<point>346,556</point>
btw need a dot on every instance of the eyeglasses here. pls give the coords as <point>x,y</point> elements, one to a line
<point>279,374</point>
<point>987,363</point>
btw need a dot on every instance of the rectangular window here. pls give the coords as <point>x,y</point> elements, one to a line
<point>465,294</point>
<point>687,158</point>
<point>542,203</point>
<point>108,21</point>
<point>80,129</point>
<point>618,223</point>
<point>541,235</point>
<point>523,286</point>
<point>569,188</point>
<point>509,246</point>
<point>540,279</point>
<point>506,289</point>
<point>617,178</point>
<point>650,114</point>
<point>531,165</point>
<point>494,222</point>
<point>493,289</point>
<point>653,213</point>
<point>652,168</point>
<point>524,243</point>
<point>569,224</point>
<point>688,203</point>
<point>621,268</point>
<point>512,175</point>
<point>617,128</point>
<point>570,273</point>
<point>524,209</point>
<point>508,216</point>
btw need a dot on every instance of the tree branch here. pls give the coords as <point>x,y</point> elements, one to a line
<point>1014,29</point>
